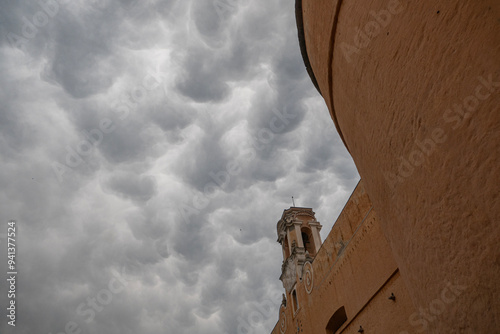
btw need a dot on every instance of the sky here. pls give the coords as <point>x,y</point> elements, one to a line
<point>148,149</point>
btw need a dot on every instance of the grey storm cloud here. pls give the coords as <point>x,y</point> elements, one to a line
<point>129,185</point>
<point>148,149</point>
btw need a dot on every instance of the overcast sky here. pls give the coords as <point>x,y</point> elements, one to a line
<point>148,149</point>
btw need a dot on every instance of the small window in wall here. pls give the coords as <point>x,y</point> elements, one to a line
<point>336,321</point>
<point>295,301</point>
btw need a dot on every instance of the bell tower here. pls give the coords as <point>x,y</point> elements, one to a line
<point>298,233</point>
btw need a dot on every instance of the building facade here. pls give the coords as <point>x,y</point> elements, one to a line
<point>413,89</point>
<point>347,284</point>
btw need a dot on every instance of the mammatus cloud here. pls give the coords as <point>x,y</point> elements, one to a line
<point>148,149</point>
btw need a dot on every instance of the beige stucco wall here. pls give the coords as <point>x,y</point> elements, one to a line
<point>360,278</point>
<point>416,99</point>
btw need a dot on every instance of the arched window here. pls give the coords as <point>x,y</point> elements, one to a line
<point>308,241</point>
<point>336,321</point>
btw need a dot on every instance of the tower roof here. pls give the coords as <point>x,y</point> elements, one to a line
<point>290,214</point>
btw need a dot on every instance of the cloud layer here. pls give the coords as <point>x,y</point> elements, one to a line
<point>148,149</point>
